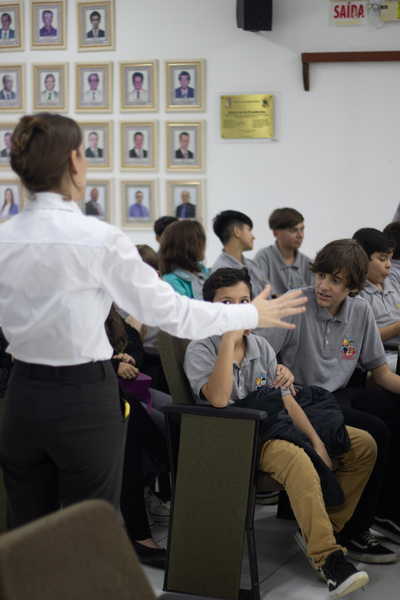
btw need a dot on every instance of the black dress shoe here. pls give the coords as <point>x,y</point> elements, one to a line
<point>156,557</point>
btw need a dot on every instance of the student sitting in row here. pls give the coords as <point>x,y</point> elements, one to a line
<point>161,224</point>
<point>231,369</point>
<point>379,291</point>
<point>234,230</point>
<point>393,231</point>
<point>283,265</point>
<point>336,333</point>
<point>182,250</point>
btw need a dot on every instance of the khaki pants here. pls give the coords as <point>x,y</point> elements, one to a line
<point>292,467</point>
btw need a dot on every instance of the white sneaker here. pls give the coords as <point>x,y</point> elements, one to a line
<point>156,508</point>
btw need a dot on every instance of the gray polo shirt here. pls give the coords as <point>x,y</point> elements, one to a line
<point>258,282</point>
<point>385,306</point>
<point>324,350</point>
<point>394,273</point>
<point>257,369</point>
<point>279,274</point>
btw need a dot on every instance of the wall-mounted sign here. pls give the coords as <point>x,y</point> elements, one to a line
<point>249,116</point>
<point>349,13</point>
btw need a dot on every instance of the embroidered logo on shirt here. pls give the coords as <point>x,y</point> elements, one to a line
<point>348,350</point>
<point>261,381</point>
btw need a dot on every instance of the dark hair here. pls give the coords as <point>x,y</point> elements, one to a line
<point>183,133</point>
<point>7,133</point>
<point>91,75</point>
<point>282,218</point>
<point>225,277</point>
<point>41,147</point>
<point>7,15</point>
<point>49,75</point>
<point>149,256</point>
<point>4,77</point>
<point>184,73</point>
<point>50,12</point>
<point>137,74</point>
<point>95,13</point>
<point>136,134</point>
<point>373,240</point>
<point>115,331</point>
<point>225,222</point>
<point>93,133</point>
<point>182,245</point>
<point>163,222</point>
<point>393,231</point>
<point>346,256</point>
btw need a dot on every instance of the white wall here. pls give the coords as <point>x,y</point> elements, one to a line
<point>337,153</point>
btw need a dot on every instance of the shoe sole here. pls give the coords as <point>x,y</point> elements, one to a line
<point>372,559</point>
<point>388,534</point>
<point>351,584</point>
<point>268,500</point>
<point>317,570</point>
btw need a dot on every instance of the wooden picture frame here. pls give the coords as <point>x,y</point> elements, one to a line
<point>11,26</point>
<point>12,88</point>
<point>96,26</point>
<point>187,194</point>
<point>185,85</point>
<point>139,145</point>
<point>185,146</point>
<point>93,87</point>
<point>97,139</point>
<point>6,186</point>
<point>139,90</point>
<point>48,25</point>
<point>6,130</point>
<point>50,87</point>
<point>97,202</point>
<point>139,204</point>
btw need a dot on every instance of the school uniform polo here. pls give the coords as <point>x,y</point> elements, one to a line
<point>394,273</point>
<point>279,274</point>
<point>257,369</point>
<point>323,350</point>
<point>258,282</point>
<point>385,306</point>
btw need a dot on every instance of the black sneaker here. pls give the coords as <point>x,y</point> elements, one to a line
<point>300,540</point>
<point>366,548</point>
<point>341,576</point>
<point>387,528</point>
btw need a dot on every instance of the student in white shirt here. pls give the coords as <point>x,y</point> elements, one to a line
<point>63,432</point>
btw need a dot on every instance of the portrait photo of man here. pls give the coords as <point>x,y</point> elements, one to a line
<point>95,32</point>
<point>7,145</point>
<point>138,151</point>
<point>6,33</point>
<point>93,206</point>
<point>93,151</point>
<point>47,30</point>
<point>185,210</point>
<point>7,93</point>
<point>138,94</point>
<point>94,95</point>
<point>183,152</point>
<point>49,94</point>
<point>138,210</point>
<point>184,91</point>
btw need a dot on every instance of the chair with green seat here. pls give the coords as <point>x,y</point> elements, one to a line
<point>214,455</point>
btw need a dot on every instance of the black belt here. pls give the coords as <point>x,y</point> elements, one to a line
<point>68,373</point>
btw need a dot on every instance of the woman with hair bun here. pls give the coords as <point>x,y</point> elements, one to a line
<point>63,430</point>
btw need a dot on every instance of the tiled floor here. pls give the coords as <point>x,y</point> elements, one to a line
<point>283,568</point>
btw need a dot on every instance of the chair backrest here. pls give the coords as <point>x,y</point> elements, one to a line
<point>81,552</point>
<point>172,353</point>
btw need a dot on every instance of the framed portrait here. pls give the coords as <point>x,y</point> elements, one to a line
<point>139,86</point>
<point>50,87</point>
<point>185,146</point>
<point>138,204</point>
<point>48,25</point>
<point>12,88</point>
<point>11,26</point>
<point>93,87</point>
<point>6,130</point>
<point>11,201</point>
<point>97,201</point>
<point>96,25</point>
<point>139,146</point>
<point>185,199</point>
<point>98,144</point>
<point>185,85</point>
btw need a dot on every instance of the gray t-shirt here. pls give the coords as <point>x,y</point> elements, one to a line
<point>394,273</point>
<point>323,350</point>
<point>257,369</point>
<point>258,282</point>
<point>279,274</point>
<point>385,306</point>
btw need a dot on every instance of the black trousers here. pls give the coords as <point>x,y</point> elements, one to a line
<point>62,438</point>
<point>377,412</point>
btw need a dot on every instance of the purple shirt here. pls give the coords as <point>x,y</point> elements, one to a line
<point>138,210</point>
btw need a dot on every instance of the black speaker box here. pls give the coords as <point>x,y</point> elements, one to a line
<point>254,15</point>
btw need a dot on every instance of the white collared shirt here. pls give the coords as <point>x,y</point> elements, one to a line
<point>59,273</point>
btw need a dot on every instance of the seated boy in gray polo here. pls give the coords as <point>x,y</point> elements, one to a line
<point>282,264</point>
<point>240,368</point>
<point>337,333</point>
<point>393,231</point>
<point>234,230</point>
<point>379,291</point>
